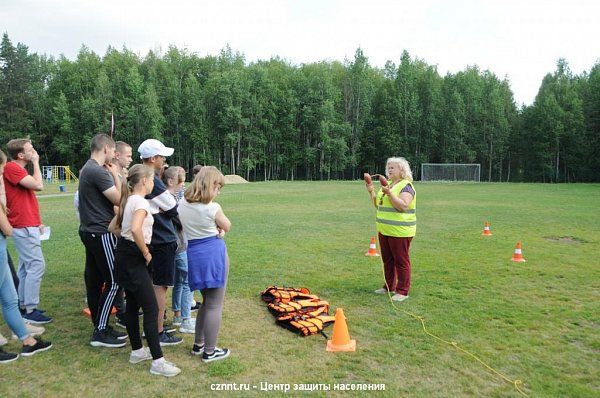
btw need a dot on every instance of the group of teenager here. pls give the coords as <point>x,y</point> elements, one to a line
<point>144,232</point>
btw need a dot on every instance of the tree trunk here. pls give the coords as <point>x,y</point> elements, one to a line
<point>490,168</point>
<point>557,162</point>
<point>508,171</point>
<point>232,171</point>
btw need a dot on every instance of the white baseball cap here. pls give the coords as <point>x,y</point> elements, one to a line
<point>152,147</point>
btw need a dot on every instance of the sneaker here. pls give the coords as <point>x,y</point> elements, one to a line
<point>135,358</point>
<point>6,357</point>
<point>197,349</point>
<point>177,320</point>
<point>164,368</point>
<point>195,307</point>
<point>381,291</point>
<point>33,330</point>
<point>169,328</point>
<point>39,346</point>
<point>188,326</point>
<point>399,297</point>
<point>3,340</point>
<point>116,334</point>
<point>36,317</point>
<point>120,322</point>
<point>103,338</point>
<point>23,311</point>
<point>168,339</point>
<point>219,353</point>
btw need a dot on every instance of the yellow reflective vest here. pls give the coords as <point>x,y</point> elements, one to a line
<point>393,222</point>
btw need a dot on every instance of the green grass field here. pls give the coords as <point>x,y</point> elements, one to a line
<point>536,321</point>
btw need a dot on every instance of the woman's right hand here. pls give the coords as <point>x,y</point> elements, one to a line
<point>148,257</point>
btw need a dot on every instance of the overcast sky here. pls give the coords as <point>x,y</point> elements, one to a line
<point>517,39</point>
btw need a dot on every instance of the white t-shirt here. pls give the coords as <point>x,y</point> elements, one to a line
<point>198,219</point>
<point>135,203</point>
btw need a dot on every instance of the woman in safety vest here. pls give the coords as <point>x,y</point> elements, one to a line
<point>396,205</point>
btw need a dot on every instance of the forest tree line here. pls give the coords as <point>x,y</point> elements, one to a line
<point>271,119</point>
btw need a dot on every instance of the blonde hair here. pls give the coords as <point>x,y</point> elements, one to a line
<point>405,171</point>
<point>136,173</point>
<point>171,172</point>
<point>200,190</point>
<point>182,174</point>
<point>3,158</point>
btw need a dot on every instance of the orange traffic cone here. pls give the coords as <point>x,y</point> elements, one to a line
<point>372,249</point>
<point>486,229</point>
<point>518,256</point>
<point>340,341</point>
<point>86,312</point>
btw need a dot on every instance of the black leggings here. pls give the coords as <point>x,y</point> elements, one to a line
<point>132,274</point>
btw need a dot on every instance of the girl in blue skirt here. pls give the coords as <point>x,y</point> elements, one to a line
<point>205,224</point>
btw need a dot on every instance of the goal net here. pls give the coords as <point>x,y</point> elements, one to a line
<point>450,172</point>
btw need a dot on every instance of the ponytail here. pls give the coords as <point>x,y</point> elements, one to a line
<point>125,193</point>
<point>135,175</point>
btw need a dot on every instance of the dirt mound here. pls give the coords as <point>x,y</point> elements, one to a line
<point>234,179</point>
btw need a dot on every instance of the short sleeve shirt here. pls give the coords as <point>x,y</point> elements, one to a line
<point>95,209</point>
<point>408,188</point>
<point>21,202</point>
<point>198,219</point>
<point>135,203</point>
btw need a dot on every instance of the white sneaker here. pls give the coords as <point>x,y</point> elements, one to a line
<point>381,291</point>
<point>33,330</point>
<point>188,326</point>
<point>399,297</point>
<point>3,340</point>
<point>164,368</point>
<point>137,358</point>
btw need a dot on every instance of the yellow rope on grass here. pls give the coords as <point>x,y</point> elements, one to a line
<point>517,383</point>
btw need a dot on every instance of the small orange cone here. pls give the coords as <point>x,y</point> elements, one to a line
<point>340,341</point>
<point>486,229</point>
<point>372,249</point>
<point>518,256</point>
<point>86,312</point>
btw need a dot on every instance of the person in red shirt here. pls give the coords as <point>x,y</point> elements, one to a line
<point>24,216</point>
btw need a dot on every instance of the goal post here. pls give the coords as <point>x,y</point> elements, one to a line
<point>451,172</point>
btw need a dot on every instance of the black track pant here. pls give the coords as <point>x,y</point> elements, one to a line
<point>100,283</point>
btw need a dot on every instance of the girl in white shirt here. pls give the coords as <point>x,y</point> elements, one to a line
<point>131,269</point>
<point>205,224</point>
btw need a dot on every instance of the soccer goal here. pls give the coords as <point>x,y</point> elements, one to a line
<point>450,172</point>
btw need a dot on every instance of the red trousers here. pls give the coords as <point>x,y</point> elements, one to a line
<point>396,263</point>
